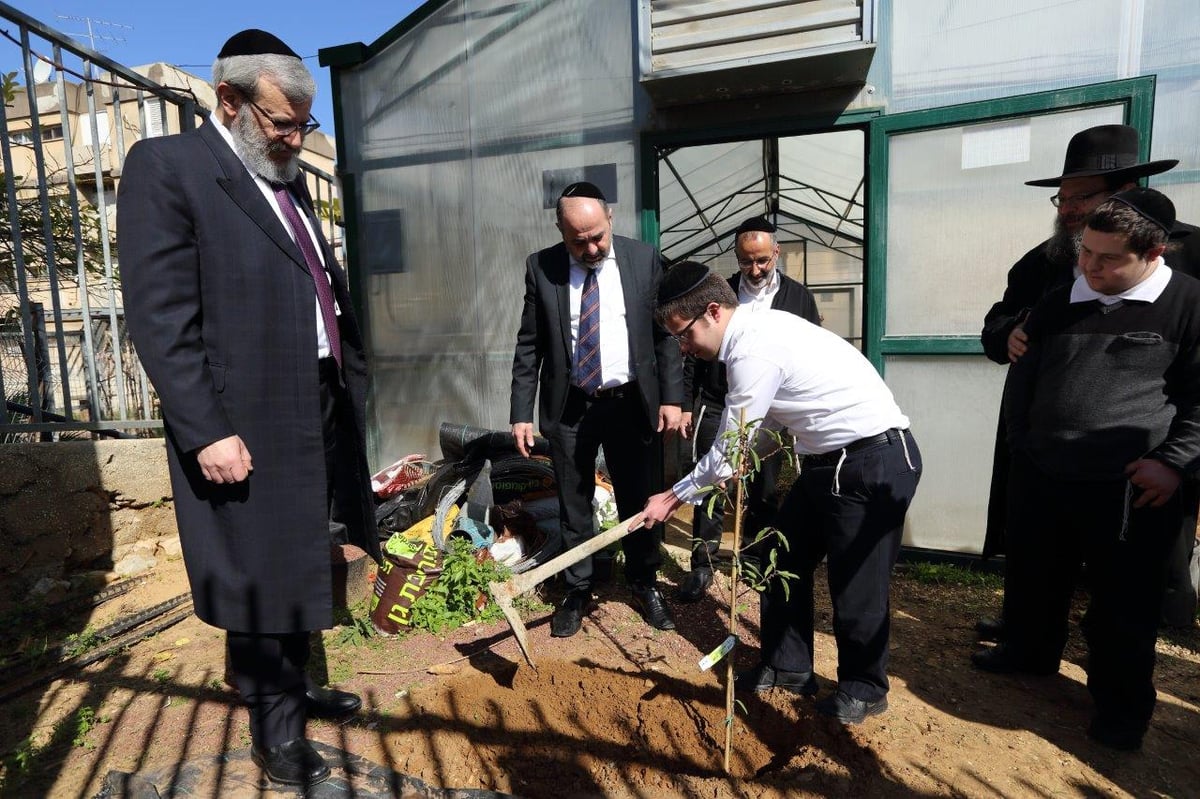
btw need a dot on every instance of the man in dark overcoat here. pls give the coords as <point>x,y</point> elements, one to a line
<point>608,375</point>
<point>241,316</point>
<point>758,284</point>
<point>1099,162</point>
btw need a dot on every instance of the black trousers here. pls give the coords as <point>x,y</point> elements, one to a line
<point>633,460</point>
<point>854,514</point>
<point>269,673</point>
<point>761,500</point>
<point>268,669</point>
<point>1054,526</point>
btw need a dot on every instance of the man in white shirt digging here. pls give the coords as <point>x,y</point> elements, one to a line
<point>860,471</point>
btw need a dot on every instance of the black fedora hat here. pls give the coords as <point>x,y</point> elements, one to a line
<point>1109,150</point>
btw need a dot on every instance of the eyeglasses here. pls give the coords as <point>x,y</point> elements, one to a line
<point>746,263</point>
<point>681,336</point>
<point>1058,201</point>
<point>285,129</point>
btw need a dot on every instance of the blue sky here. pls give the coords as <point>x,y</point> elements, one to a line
<point>191,33</point>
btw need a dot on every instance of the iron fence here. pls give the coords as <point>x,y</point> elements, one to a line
<point>68,117</point>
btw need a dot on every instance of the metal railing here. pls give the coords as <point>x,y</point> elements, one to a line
<point>67,119</point>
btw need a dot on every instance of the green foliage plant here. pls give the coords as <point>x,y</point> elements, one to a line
<point>455,597</point>
<point>746,461</point>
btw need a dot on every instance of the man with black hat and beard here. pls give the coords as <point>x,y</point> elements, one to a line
<point>860,472</point>
<point>759,284</point>
<point>1103,417</point>
<point>241,317</point>
<point>1099,162</point>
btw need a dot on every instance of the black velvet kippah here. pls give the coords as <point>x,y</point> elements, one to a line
<point>255,42</point>
<point>680,279</point>
<point>1151,204</point>
<point>755,224</point>
<point>584,189</point>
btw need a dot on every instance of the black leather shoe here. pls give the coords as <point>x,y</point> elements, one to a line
<point>763,678</point>
<point>292,763</point>
<point>569,617</point>
<point>329,703</point>
<point>1114,735</point>
<point>695,585</point>
<point>848,709</point>
<point>648,601</point>
<point>990,629</point>
<point>1001,659</point>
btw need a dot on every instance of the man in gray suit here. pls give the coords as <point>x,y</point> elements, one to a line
<point>241,317</point>
<point>609,376</point>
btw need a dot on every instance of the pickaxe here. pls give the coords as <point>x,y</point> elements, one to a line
<point>505,592</point>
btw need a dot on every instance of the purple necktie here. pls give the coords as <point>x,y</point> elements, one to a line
<point>587,347</point>
<point>320,281</point>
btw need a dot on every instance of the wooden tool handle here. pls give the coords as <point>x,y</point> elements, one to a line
<point>526,580</point>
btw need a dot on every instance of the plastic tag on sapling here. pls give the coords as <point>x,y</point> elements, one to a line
<point>717,655</point>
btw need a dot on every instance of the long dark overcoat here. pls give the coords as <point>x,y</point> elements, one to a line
<point>221,308</point>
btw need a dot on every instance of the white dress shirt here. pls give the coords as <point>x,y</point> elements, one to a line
<point>615,369</point>
<point>323,350</point>
<point>1146,291</point>
<point>791,374</point>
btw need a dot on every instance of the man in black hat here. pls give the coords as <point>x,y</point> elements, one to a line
<point>758,284</point>
<point>608,377</point>
<point>240,313</point>
<point>1100,161</point>
<point>860,471</point>
<point>1103,418</point>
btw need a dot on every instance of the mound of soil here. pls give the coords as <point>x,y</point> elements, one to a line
<point>621,710</point>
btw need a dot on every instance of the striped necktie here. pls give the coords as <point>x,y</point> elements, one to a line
<point>587,348</point>
<point>315,268</point>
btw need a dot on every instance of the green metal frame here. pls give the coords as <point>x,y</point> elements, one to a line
<point>1137,97</point>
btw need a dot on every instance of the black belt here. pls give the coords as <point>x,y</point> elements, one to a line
<point>831,458</point>
<point>616,392</point>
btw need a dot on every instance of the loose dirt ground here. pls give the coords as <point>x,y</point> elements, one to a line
<point>621,710</point>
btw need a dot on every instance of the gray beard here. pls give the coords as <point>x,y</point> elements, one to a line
<point>254,147</point>
<point>1063,246</point>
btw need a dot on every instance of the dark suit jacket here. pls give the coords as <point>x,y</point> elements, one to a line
<point>221,308</point>
<point>543,354</point>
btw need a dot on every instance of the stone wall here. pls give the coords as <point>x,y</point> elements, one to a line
<point>76,506</point>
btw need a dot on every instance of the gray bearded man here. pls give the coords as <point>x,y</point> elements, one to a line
<point>241,316</point>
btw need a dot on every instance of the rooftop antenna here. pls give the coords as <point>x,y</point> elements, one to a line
<point>93,35</point>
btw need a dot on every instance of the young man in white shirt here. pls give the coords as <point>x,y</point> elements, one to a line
<point>860,472</point>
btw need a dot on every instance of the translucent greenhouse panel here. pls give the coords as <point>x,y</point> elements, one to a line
<point>945,52</point>
<point>953,403</point>
<point>821,266</point>
<point>454,133</point>
<point>959,214</point>
<point>821,180</point>
<point>1171,39</point>
<point>706,191</point>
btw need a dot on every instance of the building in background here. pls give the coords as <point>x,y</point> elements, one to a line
<point>889,141</point>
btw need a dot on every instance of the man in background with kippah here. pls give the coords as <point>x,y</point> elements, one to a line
<point>860,472</point>
<point>608,375</point>
<point>1103,417</point>
<point>759,284</point>
<point>241,317</point>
